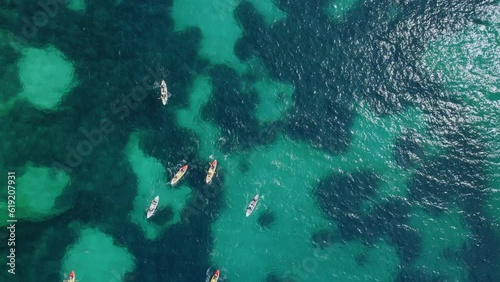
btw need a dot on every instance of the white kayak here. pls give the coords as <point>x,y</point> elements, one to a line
<point>252,204</point>
<point>211,172</point>
<point>153,206</point>
<point>164,92</point>
<point>179,175</point>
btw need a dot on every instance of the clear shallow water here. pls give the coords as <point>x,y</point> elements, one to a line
<point>368,128</point>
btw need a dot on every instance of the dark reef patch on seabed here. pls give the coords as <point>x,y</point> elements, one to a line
<point>409,149</point>
<point>266,219</point>
<point>332,66</point>
<point>181,149</point>
<point>275,278</point>
<point>390,219</point>
<point>455,177</point>
<point>107,66</point>
<point>378,62</point>
<point>324,238</point>
<point>41,245</point>
<point>8,72</point>
<point>110,59</point>
<point>232,108</point>
<point>180,252</point>
<point>341,197</point>
<point>320,115</point>
<point>364,58</point>
<point>418,275</point>
<point>459,178</point>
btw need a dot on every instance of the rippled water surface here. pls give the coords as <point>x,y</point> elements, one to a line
<point>369,129</point>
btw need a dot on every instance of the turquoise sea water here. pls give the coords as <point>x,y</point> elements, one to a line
<point>368,128</point>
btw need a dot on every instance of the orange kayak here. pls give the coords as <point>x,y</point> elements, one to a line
<point>179,175</point>
<point>211,172</point>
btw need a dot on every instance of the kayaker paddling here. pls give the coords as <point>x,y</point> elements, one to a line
<point>179,175</point>
<point>163,92</point>
<point>252,205</point>
<point>211,172</point>
<point>153,206</point>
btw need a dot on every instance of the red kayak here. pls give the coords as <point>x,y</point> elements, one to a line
<point>215,277</point>
<point>71,277</point>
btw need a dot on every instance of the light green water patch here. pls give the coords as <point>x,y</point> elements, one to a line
<point>284,174</point>
<point>274,100</point>
<point>95,257</point>
<point>393,12</point>
<point>77,5</point>
<point>268,9</point>
<point>273,173</point>
<point>441,237</point>
<point>338,8</point>
<point>46,76</point>
<point>372,147</point>
<point>36,192</point>
<point>354,261</point>
<point>217,23</point>
<point>190,117</point>
<point>153,182</point>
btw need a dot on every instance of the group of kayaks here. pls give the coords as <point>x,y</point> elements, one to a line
<point>72,278</point>
<point>180,173</point>
<point>208,180</point>
<point>176,178</point>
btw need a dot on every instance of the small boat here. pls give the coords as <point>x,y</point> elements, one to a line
<point>153,206</point>
<point>71,277</point>
<point>179,174</point>
<point>252,204</point>
<point>211,172</point>
<point>164,92</point>
<point>215,278</point>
